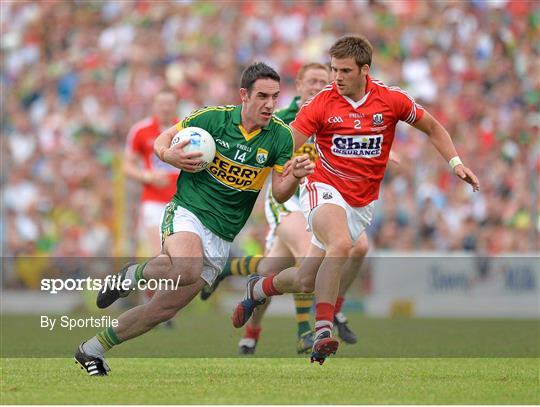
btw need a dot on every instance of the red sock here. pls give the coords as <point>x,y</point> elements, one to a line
<point>324,315</point>
<point>268,287</point>
<point>339,304</point>
<point>252,332</point>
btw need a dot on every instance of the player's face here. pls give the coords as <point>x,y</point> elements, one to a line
<point>165,107</point>
<point>350,79</point>
<point>312,82</point>
<point>260,103</point>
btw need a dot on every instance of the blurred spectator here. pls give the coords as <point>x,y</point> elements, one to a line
<point>76,75</point>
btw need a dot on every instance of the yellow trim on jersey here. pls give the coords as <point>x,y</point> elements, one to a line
<point>277,120</point>
<point>179,126</point>
<point>198,112</point>
<point>281,123</point>
<point>248,136</point>
<point>278,168</point>
<point>237,176</point>
<point>211,108</point>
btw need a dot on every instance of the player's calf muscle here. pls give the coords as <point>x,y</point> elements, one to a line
<point>157,268</point>
<point>157,315</point>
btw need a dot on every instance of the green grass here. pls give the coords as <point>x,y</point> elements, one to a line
<point>397,361</point>
<point>273,381</point>
<point>202,333</point>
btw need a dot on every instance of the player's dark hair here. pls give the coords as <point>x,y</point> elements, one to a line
<point>312,65</point>
<point>355,46</point>
<point>258,70</point>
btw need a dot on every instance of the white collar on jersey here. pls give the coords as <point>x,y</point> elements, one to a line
<point>354,104</point>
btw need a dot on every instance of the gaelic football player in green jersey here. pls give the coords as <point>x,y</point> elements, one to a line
<point>209,208</point>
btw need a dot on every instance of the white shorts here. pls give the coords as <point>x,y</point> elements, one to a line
<point>315,194</point>
<point>215,249</point>
<point>275,212</point>
<point>152,213</point>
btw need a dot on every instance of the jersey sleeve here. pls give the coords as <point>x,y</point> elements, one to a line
<point>405,107</point>
<point>309,118</point>
<point>285,115</point>
<point>199,118</point>
<point>285,151</point>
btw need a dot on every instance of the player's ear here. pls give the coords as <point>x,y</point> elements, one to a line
<point>298,83</point>
<point>243,94</point>
<point>365,69</point>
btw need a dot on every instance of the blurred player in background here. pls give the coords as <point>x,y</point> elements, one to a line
<point>288,240</point>
<point>353,121</point>
<point>209,208</point>
<point>158,179</point>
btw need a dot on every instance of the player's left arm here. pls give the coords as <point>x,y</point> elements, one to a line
<point>285,183</point>
<point>442,141</point>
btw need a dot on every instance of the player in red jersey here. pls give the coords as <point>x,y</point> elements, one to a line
<point>353,121</point>
<point>157,178</point>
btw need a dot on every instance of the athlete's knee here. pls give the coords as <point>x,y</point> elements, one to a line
<point>305,282</point>
<point>307,286</point>
<point>360,249</point>
<point>339,247</point>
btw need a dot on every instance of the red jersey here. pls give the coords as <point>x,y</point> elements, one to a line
<point>140,141</point>
<point>353,139</point>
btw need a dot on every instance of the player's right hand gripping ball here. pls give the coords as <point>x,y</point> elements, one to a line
<point>199,141</point>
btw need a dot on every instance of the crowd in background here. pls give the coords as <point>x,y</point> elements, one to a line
<point>76,75</point>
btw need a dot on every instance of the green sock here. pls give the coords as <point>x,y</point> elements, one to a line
<point>139,271</point>
<point>108,338</point>
<point>303,303</point>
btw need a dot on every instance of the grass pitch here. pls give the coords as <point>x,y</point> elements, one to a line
<point>273,381</point>
<point>397,361</point>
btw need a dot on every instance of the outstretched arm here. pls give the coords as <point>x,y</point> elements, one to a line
<point>443,143</point>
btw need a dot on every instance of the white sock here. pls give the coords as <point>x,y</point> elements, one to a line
<point>130,275</point>
<point>93,347</point>
<point>258,293</point>
<point>322,325</point>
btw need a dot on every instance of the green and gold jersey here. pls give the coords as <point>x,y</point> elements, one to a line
<point>288,114</point>
<point>222,196</point>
